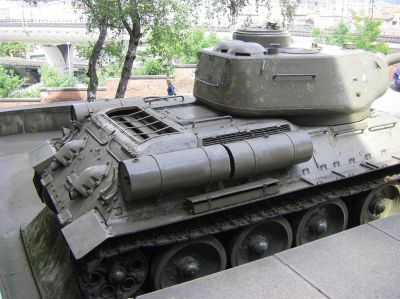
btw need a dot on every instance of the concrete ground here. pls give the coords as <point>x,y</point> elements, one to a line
<point>363,262</point>
<point>16,279</point>
<point>390,101</point>
<point>19,202</point>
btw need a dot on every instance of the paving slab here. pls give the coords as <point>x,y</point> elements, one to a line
<point>389,225</point>
<point>16,280</point>
<point>265,278</point>
<point>19,202</point>
<point>360,263</point>
<point>363,262</point>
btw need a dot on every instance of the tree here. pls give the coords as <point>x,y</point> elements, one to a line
<point>367,34</point>
<point>288,11</point>
<point>232,8</point>
<point>138,17</point>
<point>99,16</point>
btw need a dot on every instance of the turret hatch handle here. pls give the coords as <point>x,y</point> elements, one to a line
<point>207,83</point>
<point>297,76</point>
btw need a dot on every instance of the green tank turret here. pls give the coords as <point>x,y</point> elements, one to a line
<point>310,87</point>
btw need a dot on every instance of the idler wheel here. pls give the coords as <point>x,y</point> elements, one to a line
<point>188,260</point>
<point>321,221</point>
<point>260,240</point>
<point>379,203</point>
<point>121,276</point>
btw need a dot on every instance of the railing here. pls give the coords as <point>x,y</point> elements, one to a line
<point>30,22</point>
<point>383,38</point>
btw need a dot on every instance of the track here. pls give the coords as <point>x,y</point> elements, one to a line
<point>218,225</point>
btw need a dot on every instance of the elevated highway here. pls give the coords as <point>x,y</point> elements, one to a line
<point>35,64</point>
<point>57,39</point>
<point>46,32</point>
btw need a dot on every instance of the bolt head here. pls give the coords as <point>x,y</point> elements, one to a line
<point>188,268</point>
<point>378,208</point>
<point>259,245</point>
<point>117,275</point>
<point>319,227</point>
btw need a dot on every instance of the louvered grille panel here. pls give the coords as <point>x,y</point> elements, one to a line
<point>233,137</point>
<point>140,124</point>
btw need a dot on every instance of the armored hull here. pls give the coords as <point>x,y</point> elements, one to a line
<point>133,180</point>
<point>163,190</point>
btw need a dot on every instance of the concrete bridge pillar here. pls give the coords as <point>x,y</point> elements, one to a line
<point>60,57</point>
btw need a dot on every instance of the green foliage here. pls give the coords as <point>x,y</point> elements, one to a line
<point>288,10</point>
<point>84,50</point>
<point>365,36</point>
<point>109,71</point>
<point>232,8</point>
<point>113,52</point>
<point>153,67</point>
<point>110,62</point>
<point>193,41</point>
<point>165,44</point>
<point>96,10</point>
<point>340,34</point>
<point>49,77</point>
<point>367,33</point>
<point>13,49</point>
<point>169,44</point>
<point>9,81</point>
<point>316,34</point>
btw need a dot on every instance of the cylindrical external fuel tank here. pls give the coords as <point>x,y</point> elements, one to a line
<point>152,175</point>
<point>261,155</point>
<point>156,174</point>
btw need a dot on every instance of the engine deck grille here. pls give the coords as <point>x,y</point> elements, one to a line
<point>140,124</point>
<point>233,137</point>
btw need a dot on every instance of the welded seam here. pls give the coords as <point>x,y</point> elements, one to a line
<point>305,279</point>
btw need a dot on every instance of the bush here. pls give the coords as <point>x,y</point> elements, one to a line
<point>29,92</point>
<point>9,81</point>
<point>155,67</point>
<point>49,77</point>
<point>365,36</point>
<point>13,49</point>
<point>110,71</point>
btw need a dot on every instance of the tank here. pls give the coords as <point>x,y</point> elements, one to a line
<point>276,148</point>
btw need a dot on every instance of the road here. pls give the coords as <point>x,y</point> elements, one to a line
<point>390,101</point>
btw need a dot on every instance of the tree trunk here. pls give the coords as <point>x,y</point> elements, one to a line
<point>134,37</point>
<point>94,57</point>
<point>233,13</point>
